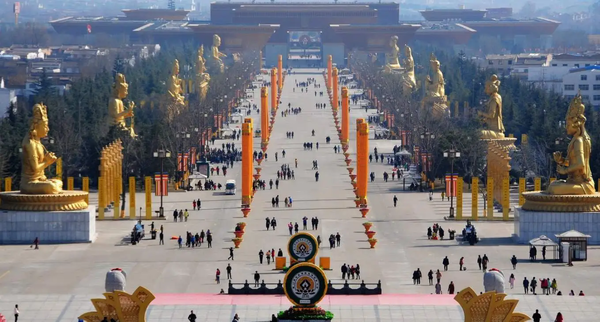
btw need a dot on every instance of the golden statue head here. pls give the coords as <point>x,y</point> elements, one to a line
<point>492,85</point>
<point>393,41</point>
<point>407,51</point>
<point>576,117</point>
<point>435,64</point>
<point>216,40</point>
<point>38,128</point>
<point>201,50</point>
<point>176,67</point>
<point>120,87</point>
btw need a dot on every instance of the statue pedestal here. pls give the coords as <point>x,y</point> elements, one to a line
<point>532,224</point>
<point>51,227</point>
<point>438,106</point>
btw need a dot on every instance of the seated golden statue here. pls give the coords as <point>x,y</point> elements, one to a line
<point>434,86</point>
<point>175,89</point>
<point>216,55</point>
<point>36,158</point>
<point>202,77</point>
<point>492,118</point>
<point>391,58</point>
<point>116,108</point>
<point>410,83</point>
<point>576,165</point>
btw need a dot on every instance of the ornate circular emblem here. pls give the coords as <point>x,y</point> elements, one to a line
<point>303,247</point>
<point>305,284</point>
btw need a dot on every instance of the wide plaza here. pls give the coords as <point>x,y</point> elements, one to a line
<point>56,282</point>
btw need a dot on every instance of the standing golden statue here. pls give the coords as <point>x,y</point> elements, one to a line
<point>410,83</point>
<point>202,77</point>
<point>215,57</point>
<point>175,85</point>
<point>493,116</point>
<point>36,158</point>
<point>392,62</point>
<point>434,86</point>
<point>116,108</point>
<point>576,165</point>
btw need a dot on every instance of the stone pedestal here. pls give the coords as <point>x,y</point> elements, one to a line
<point>532,224</point>
<point>51,227</point>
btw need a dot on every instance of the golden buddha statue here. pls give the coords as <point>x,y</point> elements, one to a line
<point>493,116</point>
<point>434,86</point>
<point>36,158</point>
<point>116,108</point>
<point>576,165</point>
<point>202,76</point>
<point>391,57</point>
<point>175,85</point>
<point>216,54</point>
<point>410,83</point>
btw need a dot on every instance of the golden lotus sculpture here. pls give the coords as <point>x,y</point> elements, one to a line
<point>488,307</point>
<point>121,306</point>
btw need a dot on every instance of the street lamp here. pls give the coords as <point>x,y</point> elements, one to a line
<point>162,154</point>
<point>451,154</point>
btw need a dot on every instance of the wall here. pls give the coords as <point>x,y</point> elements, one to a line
<point>272,52</point>
<point>337,51</point>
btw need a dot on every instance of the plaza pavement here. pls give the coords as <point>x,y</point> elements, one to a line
<point>56,282</point>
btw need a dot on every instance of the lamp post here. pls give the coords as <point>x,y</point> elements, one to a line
<point>162,154</point>
<point>451,154</point>
<point>427,137</point>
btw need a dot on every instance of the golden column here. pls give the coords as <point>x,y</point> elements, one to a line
<point>537,184</point>
<point>521,190</point>
<point>8,184</point>
<point>101,198</point>
<point>280,72</point>
<point>505,198</point>
<point>273,91</point>
<point>148,188</point>
<point>334,80</point>
<point>132,197</point>
<point>459,198</point>
<point>85,186</point>
<point>59,168</point>
<point>362,163</point>
<point>70,183</point>
<point>247,161</point>
<point>345,117</point>
<point>264,118</point>
<point>474,198</point>
<point>329,71</point>
<point>490,197</point>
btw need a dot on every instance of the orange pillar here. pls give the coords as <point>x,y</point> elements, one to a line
<point>345,117</point>
<point>362,155</point>
<point>264,118</point>
<point>334,81</point>
<point>359,177</point>
<point>329,70</point>
<point>247,161</point>
<point>280,72</point>
<point>274,91</point>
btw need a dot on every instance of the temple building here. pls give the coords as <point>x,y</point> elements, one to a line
<point>306,33</point>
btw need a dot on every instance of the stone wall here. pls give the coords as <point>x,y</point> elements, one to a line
<point>51,227</point>
<point>532,224</point>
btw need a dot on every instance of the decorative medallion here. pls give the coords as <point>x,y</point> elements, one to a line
<point>303,247</point>
<point>305,284</point>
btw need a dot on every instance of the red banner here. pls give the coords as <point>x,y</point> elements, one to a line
<point>193,154</point>
<point>179,164</point>
<point>186,158</point>
<point>451,185</point>
<point>417,154</point>
<point>161,184</point>
<point>403,135</point>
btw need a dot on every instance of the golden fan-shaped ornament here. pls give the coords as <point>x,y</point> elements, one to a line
<point>121,306</point>
<point>488,307</point>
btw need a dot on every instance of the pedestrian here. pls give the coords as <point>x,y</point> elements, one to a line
<point>256,278</point>
<point>230,253</point>
<point>338,239</point>
<point>451,288</point>
<point>192,317</point>
<point>533,285</point>
<point>186,214</point>
<point>199,204</point>
<point>525,285</point>
<point>161,238</point>
<point>559,317</point>
<point>430,276</point>
<point>415,277</point>
<point>479,261</point>
<point>511,281</point>
<point>357,271</point>
<point>395,201</point>
<point>296,227</point>
<point>36,243</point>
<point>260,256</point>
<point>180,241</point>
<point>290,227</point>
<point>544,253</point>
<point>228,269</point>
<point>194,205</point>
<point>175,213</point>
<point>438,288</point>
<point>513,261</point>
<point>209,240</point>
<point>438,276</point>
<point>537,317</point>
<point>268,257</point>
<point>17,312</point>
<point>554,286</point>
<point>446,262</point>
<point>461,262</point>
<point>268,220</point>
<point>218,276</point>
<point>344,270</point>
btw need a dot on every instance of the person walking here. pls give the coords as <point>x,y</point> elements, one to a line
<point>218,276</point>
<point>256,278</point>
<point>525,285</point>
<point>533,285</point>
<point>479,261</point>
<point>209,240</point>
<point>511,281</point>
<point>199,204</point>
<point>430,277</point>
<point>344,270</point>
<point>180,241</point>
<point>438,276</point>
<point>161,238</point>
<point>537,317</point>
<point>230,253</point>
<point>268,257</point>
<point>16,312</point>
<point>192,317</point>
<point>268,220</point>
<point>338,239</point>
<point>451,288</point>
<point>514,261</point>
<point>194,205</point>
<point>438,288</point>
<point>395,201</point>
<point>260,256</point>
<point>446,262</point>
<point>559,317</point>
<point>461,262</point>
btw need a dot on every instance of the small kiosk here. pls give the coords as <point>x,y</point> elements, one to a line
<point>573,243</point>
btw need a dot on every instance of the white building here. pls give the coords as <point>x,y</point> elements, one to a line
<point>585,80</point>
<point>7,96</point>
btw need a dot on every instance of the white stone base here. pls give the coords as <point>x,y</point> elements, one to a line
<point>532,224</point>
<point>51,227</point>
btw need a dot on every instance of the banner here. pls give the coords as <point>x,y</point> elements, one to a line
<point>186,158</point>
<point>193,155</point>
<point>161,184</point>
<point>451,185</point>
<point>179,163</point>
